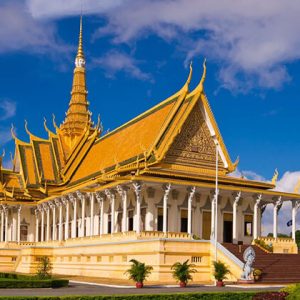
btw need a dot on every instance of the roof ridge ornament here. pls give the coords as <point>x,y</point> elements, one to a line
<point>275,177</point>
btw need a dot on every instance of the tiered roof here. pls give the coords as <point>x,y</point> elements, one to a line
<point>175,140</point>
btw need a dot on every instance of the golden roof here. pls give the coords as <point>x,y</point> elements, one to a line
<point>174,141</point>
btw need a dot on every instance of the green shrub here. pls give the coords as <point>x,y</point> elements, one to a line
<point>183,271</point>
<point>138,271</point>
<point>221,270</point>
<point>44,268</point>
<point>8,283</point>
<point>177,296</point>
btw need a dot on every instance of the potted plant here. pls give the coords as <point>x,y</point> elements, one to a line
<point>138,272</point>
<point>256,274</point>
<point>220,273</point>
<point>182,272</point>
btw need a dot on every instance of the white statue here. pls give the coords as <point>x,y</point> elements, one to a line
<point>249,257</point>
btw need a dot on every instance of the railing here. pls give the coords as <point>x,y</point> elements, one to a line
<point>118,236</point>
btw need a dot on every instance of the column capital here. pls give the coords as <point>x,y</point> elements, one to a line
<point>19,208</point>
<point>296,204</point>
<point>80,195</point>
<point>64,200</point>
<point>51,205</point>
<point>137,186</point>
<point>45,206</point>
<point>58,202</point>
<point>237,197</point>
<point>100,196</point>
<point>191,191</point>
<point>258,199</point>
<point>110,194</point>
<point>72,198</point>
<point>167,188</point>
<point>278,203</point>
<point>122,189</point>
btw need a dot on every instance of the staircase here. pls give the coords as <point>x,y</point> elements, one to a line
<point>276,268</point>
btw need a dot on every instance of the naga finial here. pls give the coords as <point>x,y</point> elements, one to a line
<point>275,176</point>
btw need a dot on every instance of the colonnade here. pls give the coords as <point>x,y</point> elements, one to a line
<point>4,215</point>
<point>64,217</point>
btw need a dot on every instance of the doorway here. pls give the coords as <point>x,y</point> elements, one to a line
<point>206,225</point>
<point>227,228</point>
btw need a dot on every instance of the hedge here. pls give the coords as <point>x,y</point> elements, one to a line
<point>10,283</point>
<point>178,296</point>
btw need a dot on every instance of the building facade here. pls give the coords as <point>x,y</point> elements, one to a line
<point>146,190</point>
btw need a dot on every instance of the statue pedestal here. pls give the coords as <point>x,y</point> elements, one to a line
<point>245,281</point>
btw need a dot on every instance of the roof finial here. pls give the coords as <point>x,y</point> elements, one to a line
<point>80,61</point>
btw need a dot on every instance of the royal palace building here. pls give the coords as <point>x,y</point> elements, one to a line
<point>147,190</point>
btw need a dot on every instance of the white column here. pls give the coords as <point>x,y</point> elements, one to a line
<point>19,224</point>
<point>6,223</point>
<point>111,196</point>
<point>123,193</point>
<point>65,202</point>
<point>47,209</point>
<point>59,205</point>
<point>2,225</point>
<point>190,201</point>
<point>137,190</point>
<point>255,217</point>
<point>234,219</point>
<point>53,207</point>
<point>100,200</point>
<point>167,190</point>
<point>74,221</point>
<point>82,199</point>
<point>212,222</point>
<point>92,201</point>
<point>277,206</point>
<point>41,209</point>
<point>36,225</point>
<point>14,226</point>
<point>295,207</point>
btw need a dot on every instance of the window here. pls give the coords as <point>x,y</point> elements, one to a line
<point>183,220</point>
<point>130,220</point>
<point>160,218</point>
<point>196,259</point>
<point>109,224</point>
<point>248,222</point>
<point>99,258</point>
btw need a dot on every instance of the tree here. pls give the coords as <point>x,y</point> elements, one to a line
<point>44,268</point>
<point>183,272</point>
<point>138,272</point>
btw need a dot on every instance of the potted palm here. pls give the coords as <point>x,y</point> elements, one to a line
<point>138,272</point>
<point>220,273</point>
<point>256,274</point>
<point>182,272</point>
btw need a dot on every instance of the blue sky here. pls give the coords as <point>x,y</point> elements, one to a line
<point>138,53</point>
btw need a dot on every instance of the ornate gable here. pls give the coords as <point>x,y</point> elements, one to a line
<point>194,146</point>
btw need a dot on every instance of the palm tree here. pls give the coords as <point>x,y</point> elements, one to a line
<point>221,272</point>
<point>183,272</point>
<point>138,272</point>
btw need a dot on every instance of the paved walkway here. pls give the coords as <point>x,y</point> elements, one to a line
<point>99,289</point>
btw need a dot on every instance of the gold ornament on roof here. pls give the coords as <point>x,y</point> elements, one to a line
<point>275,176</point>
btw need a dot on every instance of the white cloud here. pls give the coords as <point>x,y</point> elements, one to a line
<point>60,8</point>
<point>5,135</point>
<point>20,31</point>
<point>114,62</point>
<point>247,174</point>
<point>7,109</point>
<point>252,41</point>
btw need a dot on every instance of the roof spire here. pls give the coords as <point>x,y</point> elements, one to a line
<point>78,116</point>
<point>80,60</point>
